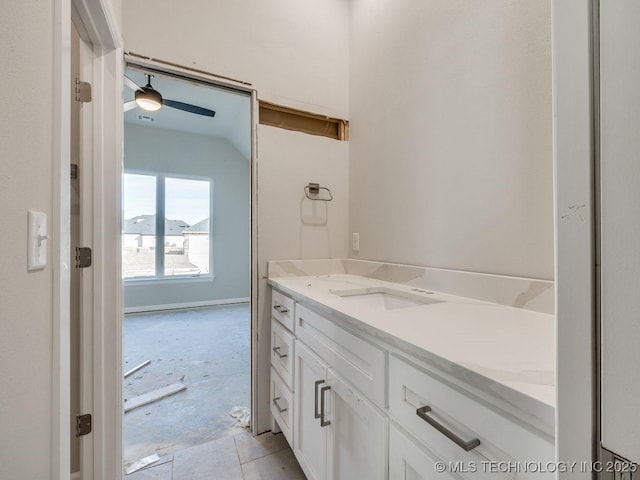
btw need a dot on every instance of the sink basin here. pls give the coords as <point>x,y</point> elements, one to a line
<point>383,298</point>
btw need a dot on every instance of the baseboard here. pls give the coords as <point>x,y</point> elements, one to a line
<point>176,306</point>
<point>75,476</point>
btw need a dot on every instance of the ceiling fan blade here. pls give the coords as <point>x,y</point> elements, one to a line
<point>189,108</point>
<point>131,84</point>
<point>129,105</point>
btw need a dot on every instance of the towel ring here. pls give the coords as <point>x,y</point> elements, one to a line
<point>314,189</point>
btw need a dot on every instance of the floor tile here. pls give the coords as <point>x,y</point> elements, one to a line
<point>210,461</point>
<point>155,472</point>
<point>251,448</point>
<point>277,466</point>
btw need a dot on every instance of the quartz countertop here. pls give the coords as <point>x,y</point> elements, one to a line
<point>505,352</point>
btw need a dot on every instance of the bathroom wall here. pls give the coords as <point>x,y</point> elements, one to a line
<point>172,152</point>
<point>27,40</point>
<point>451,134</point>
<point>25,297</point>
<point>294,52</point>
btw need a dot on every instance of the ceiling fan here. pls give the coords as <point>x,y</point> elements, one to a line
<point>148,98</point>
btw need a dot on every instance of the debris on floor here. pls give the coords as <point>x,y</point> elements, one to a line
<point>153,396</point>
<point>143,462</point>
<point>242,416</point>
<point>135,369</point>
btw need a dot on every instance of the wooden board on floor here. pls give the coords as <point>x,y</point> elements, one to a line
<point>153,396</point>
<point>135,369</point>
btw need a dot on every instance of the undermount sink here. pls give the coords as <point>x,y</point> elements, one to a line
<point>383,298</point>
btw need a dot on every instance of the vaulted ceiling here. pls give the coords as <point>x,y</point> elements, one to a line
<point>233,110</point>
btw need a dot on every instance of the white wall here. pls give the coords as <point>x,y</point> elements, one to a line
<point>296,53</point>
<point>289,225</point>
<point>171,152</point>
<point>25,183</point>
<point>620,226</point>
<point>451,146</point>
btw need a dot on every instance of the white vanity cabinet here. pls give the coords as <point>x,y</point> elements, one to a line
<point>355,407</point>
<point>310,432</point>
<point>466,433</point>
<point>357,436</point>
<point>338,433</point>
<point>282,384</point>
<point>409,459</point>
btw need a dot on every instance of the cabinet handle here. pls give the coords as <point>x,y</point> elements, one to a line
<point>280,409</point>
<point>280,309</point>
<point>463,444</point>
<point>315,400</point>
<point>323,422</point>
<point>276,350</point>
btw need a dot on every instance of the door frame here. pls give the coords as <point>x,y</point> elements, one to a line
<point>96,22</point>
<point>245,87</point>
<point>575,109</point>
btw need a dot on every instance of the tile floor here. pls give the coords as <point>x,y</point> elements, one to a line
<point>238,457</point>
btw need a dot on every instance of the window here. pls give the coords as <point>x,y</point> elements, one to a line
<point>166,231</point>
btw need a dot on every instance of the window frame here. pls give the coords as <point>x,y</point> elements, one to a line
<point>160,178</point>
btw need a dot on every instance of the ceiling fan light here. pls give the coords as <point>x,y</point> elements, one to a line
<point>149,99</point>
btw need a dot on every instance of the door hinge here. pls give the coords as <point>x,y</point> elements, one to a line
<point>83,91</point>
<point>83,257</point>
<point>83,424</point>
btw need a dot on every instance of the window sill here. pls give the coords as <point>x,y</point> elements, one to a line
<point>135,282</point>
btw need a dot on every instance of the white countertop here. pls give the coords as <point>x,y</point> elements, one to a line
<point>506,352</point>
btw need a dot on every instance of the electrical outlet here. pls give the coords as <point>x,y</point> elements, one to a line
<point>355,242</point>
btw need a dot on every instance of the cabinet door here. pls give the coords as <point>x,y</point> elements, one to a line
<point>357,441</point>
<point>310,437</point>
<point>408,461</point>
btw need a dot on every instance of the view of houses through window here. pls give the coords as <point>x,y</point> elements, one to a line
<point>180,243</point>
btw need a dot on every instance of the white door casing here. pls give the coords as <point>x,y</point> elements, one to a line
<point>103,145</point>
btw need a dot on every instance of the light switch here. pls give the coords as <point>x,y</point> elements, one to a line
<point>355,242</point>
<point>37,241</point>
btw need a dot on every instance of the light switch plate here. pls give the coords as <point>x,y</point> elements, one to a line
<point>355,242</point>
<point>37,241</point>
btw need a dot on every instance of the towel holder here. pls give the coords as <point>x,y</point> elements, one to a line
<point>314,189</point>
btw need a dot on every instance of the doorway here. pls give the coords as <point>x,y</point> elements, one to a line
<point>186,264</point>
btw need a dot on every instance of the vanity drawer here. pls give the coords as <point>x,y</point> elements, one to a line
<point>501,439</point>
<point>282,352</point>
<point>359,362</point>
<point>282,309</point>
<point>282,405</point>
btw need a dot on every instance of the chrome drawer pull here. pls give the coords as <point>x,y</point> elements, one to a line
<point>276,350</point>
<point>315,400</point>
<point>463,444</point>
<point>280,409</point>
<point>280,309</point>
<point>323,422</point>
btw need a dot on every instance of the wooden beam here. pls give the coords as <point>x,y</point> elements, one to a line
<point>301,121</point>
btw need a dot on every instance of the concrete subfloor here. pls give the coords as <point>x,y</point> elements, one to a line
<point>208,348</point>
<point>238,457</point>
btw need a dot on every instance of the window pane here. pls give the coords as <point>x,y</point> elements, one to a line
<point>186,242</point>
<point>139,231</point>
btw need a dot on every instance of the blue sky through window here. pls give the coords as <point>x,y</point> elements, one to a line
<point>186,199</point>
